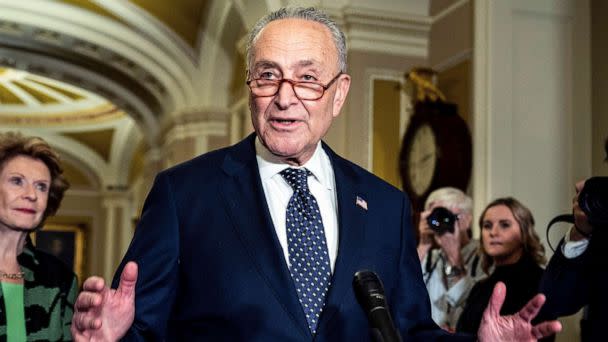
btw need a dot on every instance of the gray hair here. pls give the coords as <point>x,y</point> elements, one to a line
<point>450,197</point>
<point>311,14</point>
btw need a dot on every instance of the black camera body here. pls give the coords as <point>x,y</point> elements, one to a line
<point>441,220</point>
<point>593,200</point>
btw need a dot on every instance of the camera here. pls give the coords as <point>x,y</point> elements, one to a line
<point>593,200</point>
<point>441,220</point>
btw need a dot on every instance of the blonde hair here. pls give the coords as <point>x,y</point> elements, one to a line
<point>532,246</point>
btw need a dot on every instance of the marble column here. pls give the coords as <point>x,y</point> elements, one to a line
<point>116,203</point>
<point>194,132</point>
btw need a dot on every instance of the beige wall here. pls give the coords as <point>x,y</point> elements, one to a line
<point>351,134</point>
<point>451,37</point>
<point>386,140</point>
<point>455,83</point>
<point>599,85</point>
<point>450,46</point>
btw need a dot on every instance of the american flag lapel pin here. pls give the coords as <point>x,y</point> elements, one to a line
<point>360,202</point>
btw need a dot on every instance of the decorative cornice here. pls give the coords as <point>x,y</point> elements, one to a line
<point>154,52</point>
<point>448,10</point>
<point>456,59</point>
<point>191,115</point>
<point>195,122</point>
<point>88,117</point>
<point>195,130</point>
<point>121,90</point>
<point>71,192</point>
<point>374,30</point>
<point>153,29</point>
<point>44,40</point>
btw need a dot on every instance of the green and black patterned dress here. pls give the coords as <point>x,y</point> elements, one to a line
<point>50,289</point>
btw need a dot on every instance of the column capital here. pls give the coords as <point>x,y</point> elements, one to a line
<point>116,196</point>
<point>194,131</point>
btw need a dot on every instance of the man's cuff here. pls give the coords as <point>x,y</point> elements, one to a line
<point>573,249</point>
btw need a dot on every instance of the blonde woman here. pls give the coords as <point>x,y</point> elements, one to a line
<point>510,245</point>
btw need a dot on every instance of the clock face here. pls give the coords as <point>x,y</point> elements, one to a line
<point>422,159</point>
<point>436,151</point>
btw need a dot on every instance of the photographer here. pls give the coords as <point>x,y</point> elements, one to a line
<point>577,273</point>
<point>451,270</point>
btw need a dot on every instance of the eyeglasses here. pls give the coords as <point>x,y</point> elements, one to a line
<point>310,91</point>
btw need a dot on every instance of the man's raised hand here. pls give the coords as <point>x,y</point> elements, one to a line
<point>104,314</point>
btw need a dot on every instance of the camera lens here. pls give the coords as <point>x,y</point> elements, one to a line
<point>441,220</point>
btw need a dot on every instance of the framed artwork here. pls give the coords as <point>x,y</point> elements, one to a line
<point>66,242</point>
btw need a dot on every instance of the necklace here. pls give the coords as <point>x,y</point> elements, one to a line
<point>12,276</point>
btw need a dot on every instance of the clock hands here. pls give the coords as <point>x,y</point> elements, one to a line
<point>423,160</point>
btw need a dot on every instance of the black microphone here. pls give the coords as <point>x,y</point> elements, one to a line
<point>370,295</point>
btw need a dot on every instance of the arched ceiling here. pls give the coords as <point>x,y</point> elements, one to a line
<point>186,18</point>
<point>31,100</point>
<point>115,49</point>
<point>94,79</point>
<point>98,78</point>
<point>89,128</point>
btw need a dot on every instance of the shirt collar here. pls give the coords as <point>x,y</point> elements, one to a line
<point>270,165</point>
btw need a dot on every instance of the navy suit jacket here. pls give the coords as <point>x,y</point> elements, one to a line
<point>211,266</point>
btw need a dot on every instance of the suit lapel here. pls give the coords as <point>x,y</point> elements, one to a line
<point>248,210</point>
<point>352,221</point>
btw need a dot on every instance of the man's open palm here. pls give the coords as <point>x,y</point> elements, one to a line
<point>516,327</point>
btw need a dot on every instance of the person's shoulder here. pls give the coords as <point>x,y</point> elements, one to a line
<point>362,176</point>
<point>50,271</point>
<point>209,165</point>
<point>205,161</point>
<point>538,271</point>
<point>532,265</point>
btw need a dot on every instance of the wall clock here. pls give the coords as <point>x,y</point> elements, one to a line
<point>436,151</point>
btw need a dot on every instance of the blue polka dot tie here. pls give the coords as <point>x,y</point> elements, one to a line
<point>308,255</point>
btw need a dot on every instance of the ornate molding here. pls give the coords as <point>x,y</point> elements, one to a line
<point>196,123</point>
<point>387,32</point>
<point>27,37</point>
<point>84,64</point>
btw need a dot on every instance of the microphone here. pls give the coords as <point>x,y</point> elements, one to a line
<point>370,295</point>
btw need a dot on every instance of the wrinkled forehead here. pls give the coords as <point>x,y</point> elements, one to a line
<point>292,43</point>
<point>22,163</point>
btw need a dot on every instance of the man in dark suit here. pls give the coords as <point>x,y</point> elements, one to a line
<point>260,241</point>
<point>576,275</point>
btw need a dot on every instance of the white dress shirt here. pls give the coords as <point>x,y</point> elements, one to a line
<point>322,185</point>
<point>572,249</point>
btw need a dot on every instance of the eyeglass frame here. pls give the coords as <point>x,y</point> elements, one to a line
<point>293,83</point>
